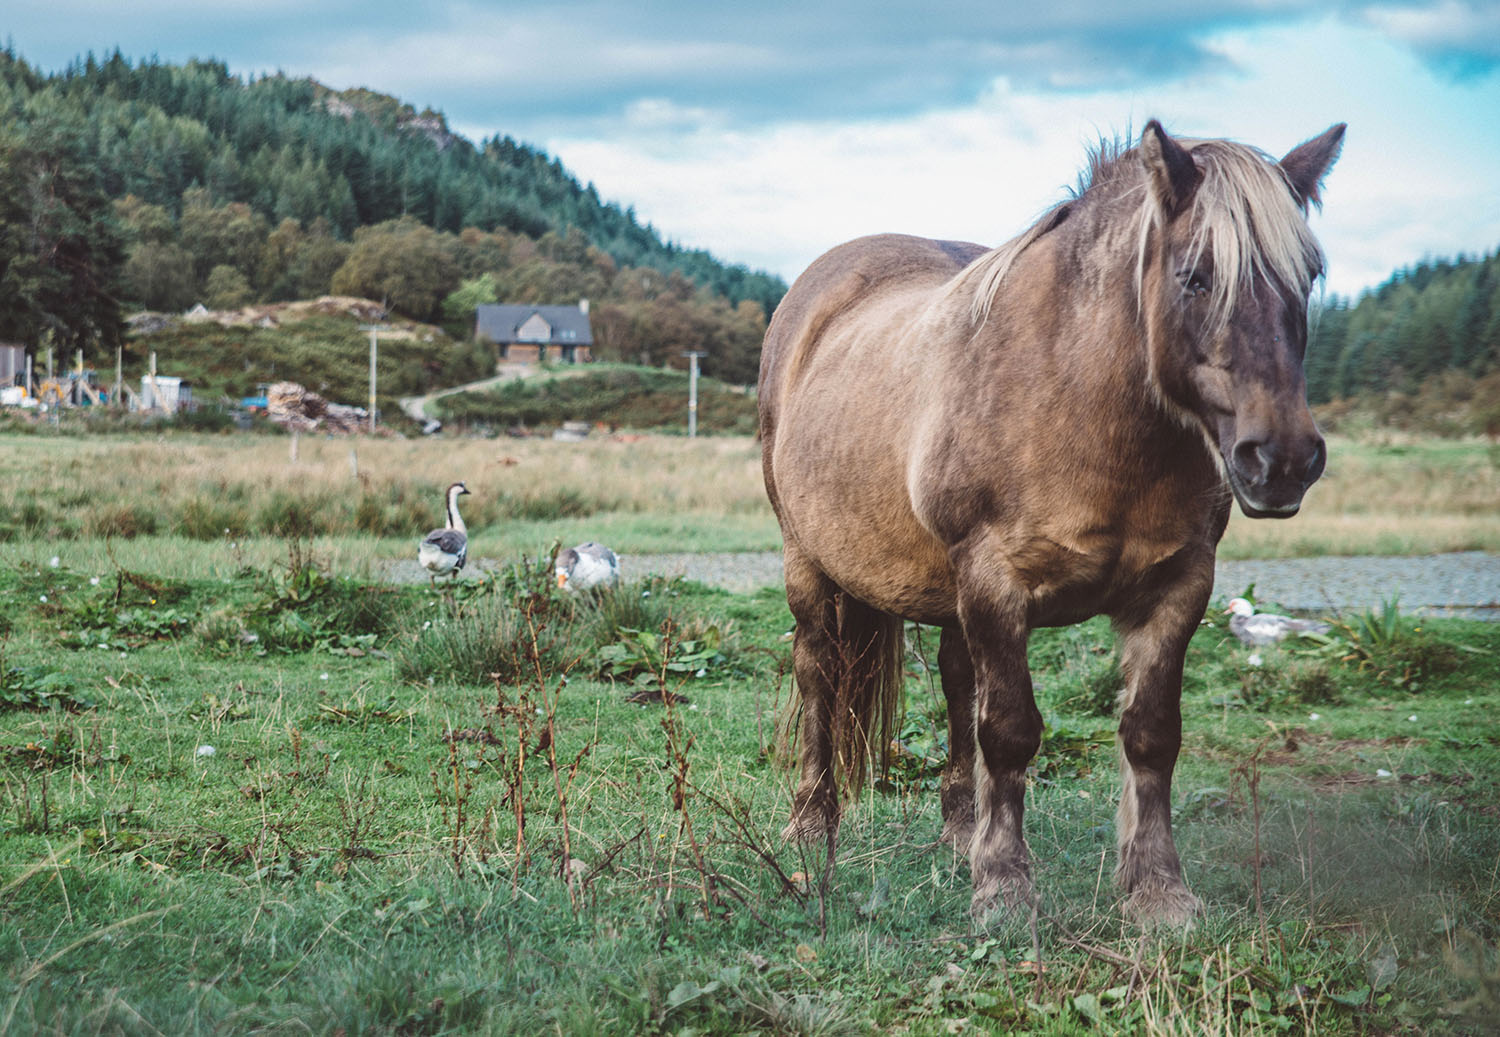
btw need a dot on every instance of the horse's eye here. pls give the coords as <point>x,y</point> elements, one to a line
<point>1193,283</point>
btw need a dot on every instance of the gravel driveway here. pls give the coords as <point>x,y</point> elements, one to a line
<point>1466,583</point>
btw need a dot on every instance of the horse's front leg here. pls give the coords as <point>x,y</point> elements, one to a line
<point>1007,733</point>
<point>1153,647</point>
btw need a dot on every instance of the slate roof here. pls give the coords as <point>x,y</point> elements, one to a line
<point>498,323</point>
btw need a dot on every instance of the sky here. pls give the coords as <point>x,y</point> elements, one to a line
<point>769,132</point>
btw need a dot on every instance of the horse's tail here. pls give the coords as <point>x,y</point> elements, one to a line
<point>868,685</point>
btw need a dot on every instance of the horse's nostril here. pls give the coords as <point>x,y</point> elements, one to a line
<point>1317,462</point>
<point>1252,459</point>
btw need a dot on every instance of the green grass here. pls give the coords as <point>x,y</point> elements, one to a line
<point>348,859</point>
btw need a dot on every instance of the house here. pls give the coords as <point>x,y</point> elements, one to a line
<point>527,334</point>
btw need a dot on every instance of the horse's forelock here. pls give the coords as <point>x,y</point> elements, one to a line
<point>1244,216</point>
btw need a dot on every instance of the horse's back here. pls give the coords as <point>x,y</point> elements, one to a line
<point>838,284</point>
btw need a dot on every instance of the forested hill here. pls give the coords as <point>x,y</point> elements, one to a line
<point>268,182</point>
<point>1436,317</point>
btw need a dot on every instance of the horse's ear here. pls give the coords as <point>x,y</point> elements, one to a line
<point>1308,163</point>
<point>1174,177</point>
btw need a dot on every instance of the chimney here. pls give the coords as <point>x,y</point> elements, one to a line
<point>583,307</point>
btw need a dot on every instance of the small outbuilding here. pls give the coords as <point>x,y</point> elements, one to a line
<point>12,363</point>
<point>527,334</point>
<point>166,394</point>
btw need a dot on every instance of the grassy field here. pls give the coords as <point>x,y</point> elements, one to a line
<point>280,801</point>
<point>214,503</point>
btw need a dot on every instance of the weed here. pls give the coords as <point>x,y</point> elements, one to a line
<point>1398,650</point>
<point>36,687</point>
<point>648,656</point>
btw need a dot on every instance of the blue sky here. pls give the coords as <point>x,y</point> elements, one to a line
<point>769,132</point>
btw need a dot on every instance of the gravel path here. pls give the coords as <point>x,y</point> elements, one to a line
<point>1451,584</point>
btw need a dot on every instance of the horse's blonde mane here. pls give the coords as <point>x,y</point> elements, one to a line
<point>1244,217</point>
<point>986,272</point>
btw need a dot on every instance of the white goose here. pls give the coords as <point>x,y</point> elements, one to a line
<point>587,566</point>
<point>1255,628</point>
<point>444,551</point>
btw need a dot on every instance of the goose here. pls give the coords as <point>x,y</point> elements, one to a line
<point>1255,628</point>
<point>587,566</point>
<point>444,551</point>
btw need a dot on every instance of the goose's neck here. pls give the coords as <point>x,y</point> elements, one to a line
<point>455,520</point>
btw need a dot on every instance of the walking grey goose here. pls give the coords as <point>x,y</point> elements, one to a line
<point>587,566</point>
<point>444,551</point>
<point>1262,628</point>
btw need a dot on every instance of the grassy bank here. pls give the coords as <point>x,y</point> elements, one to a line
<point>612,395</point>
<point>190,497</point>
<point>279,801</point>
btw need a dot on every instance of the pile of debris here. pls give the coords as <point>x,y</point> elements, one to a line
<point>275,314</point>
<point>301,410</point>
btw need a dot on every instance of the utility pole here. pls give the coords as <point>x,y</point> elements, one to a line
<point>693,392</point>
<point>156,403</point>
<point>374,330</point>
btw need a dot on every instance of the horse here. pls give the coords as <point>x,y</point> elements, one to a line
<point>993,440</point>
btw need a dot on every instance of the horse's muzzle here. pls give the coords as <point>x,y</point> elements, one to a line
<point>1269,477</point>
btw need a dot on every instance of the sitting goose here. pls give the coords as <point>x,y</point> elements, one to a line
<point>1262,628</point>
<point>444,551</point>
<point>587,566</point>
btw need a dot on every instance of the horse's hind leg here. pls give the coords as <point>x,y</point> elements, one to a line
<point>811,596</point>
<point>1150,735</point>
<point>957,671</point>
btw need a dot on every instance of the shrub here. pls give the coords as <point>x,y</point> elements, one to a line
<point>288,515</point>
<point>208,517</point>
<point>122,520</point>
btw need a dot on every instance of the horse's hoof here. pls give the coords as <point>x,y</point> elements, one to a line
<point>805,830</point>
<point>1163,905</point>
<point>811,823</point>
<point>1004,892</point>
<point>958,833</point>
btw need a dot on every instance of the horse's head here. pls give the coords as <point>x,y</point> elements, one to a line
<point>1227,263</point>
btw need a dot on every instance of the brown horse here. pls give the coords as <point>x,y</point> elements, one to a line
<point>990,441</point>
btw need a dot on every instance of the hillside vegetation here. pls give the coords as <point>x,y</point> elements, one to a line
<point>319,345</point>
<point>157,185</point>
<point>1420,352</point>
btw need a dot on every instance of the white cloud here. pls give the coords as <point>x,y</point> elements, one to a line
<point>1448,28</point>
<point>1415,179</point>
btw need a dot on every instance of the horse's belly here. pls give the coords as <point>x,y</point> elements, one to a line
<point>905,587</point>
<point>873,549</point>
